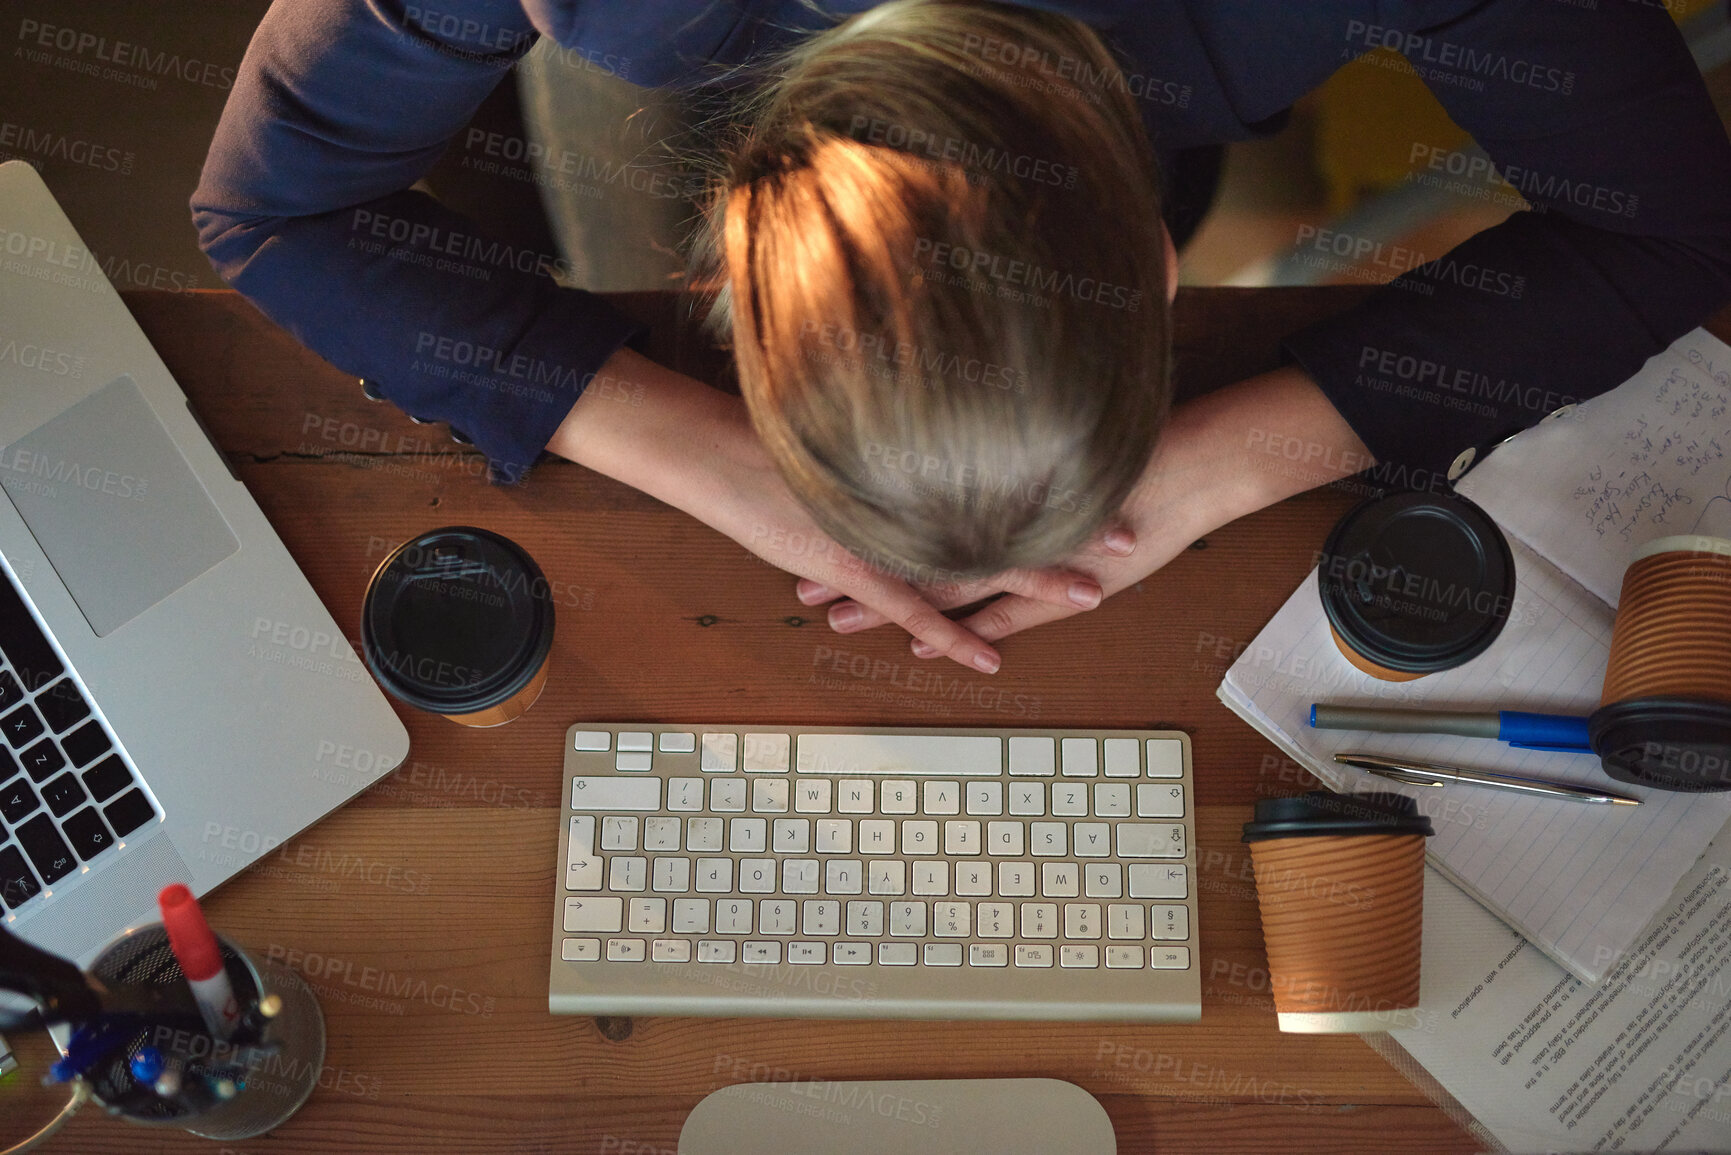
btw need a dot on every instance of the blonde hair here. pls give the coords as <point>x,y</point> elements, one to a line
<point>939,242</point>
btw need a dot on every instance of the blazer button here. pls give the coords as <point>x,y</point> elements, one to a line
<point>370,390</point>
<point>1462,463</point>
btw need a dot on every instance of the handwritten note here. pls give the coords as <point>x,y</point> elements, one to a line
<point>1649,459</point>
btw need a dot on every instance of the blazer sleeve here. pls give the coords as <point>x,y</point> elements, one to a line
<point>305,206</point>
<point>1599,118</point>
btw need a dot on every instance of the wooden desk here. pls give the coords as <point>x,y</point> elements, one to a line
<point>421,912</point>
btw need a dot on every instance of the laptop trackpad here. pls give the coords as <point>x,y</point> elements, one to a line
<point>114,505</point>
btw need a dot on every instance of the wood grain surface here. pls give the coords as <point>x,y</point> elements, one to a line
<point>441,876</point>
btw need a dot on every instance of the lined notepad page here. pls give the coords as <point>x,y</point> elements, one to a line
<point>1580,881</point>
<point>1649,459</point>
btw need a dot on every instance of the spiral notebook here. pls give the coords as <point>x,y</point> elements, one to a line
<point>1576,496</point>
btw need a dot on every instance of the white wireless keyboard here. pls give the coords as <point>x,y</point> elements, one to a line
<point>804,871</point>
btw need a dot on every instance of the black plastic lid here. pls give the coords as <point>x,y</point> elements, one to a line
<point>1417,582</point>
<point>1671,743</point>
<point>1320,813</point>
<point>456,620</point>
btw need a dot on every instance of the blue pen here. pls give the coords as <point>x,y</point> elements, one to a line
<point>1560,732</point>
<point>84,1050</point>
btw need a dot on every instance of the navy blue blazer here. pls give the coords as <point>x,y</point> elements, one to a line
<point>1594,111</point>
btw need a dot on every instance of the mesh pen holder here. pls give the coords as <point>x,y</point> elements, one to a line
<point>271,1079</point>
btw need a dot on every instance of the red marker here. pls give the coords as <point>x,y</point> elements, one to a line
<point>200,959</point>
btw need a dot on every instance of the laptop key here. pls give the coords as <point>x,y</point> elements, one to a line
<point>62,705</point>
<point>17,800</point>
<point>17,884</point>
<point>63,795</point>
<point>107,778</point>
<point>128,812</point>
<point>11,693</point>
<point>21,726</point>
<point>52,857</point>
<point>89,834</point>
<point>42,759</point>
<point>22,639</point>
<point>85,744</point>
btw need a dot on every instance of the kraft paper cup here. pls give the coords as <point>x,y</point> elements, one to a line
<point>1664,718</point>
<point>459,622</point>
<point>1340,882</point>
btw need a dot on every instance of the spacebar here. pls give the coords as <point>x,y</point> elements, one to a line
<point>952,755</point>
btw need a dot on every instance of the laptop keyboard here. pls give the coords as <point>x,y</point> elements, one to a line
<point>66,794</point>
<point>731,870</point>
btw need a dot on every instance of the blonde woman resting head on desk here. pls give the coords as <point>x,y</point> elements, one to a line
<point>946,285</point>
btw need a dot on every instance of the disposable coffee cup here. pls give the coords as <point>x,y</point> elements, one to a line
<point>1415,583</point>
<point>459,622</point>
<point>1664,717</point>
<point>1340,881</point>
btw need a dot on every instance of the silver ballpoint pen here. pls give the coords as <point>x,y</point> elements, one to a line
<point>1430,774</point>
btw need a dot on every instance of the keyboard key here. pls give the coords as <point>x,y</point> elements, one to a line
<point>1081,757</point>
<point>636,740</point>
<point>727,796</point>
<point>982,954</point>
<point>865,918</point>
<point>661,833</point>
<point>1149,840</point>
<point>769,795</point>
<point>23,641</point>
<point>792,835</point>
<point>1150,880</point>
<point>919,836</point>
<point>1170,922</point>
<point>985,798</point>
<point>799,875</point>
<point>835,836</point>
<point>588,793</point>
<point>85,744</point>
<point>1093,839</point>
<point>974,879</point>
<point>582,864</point>
<point>18,883</point>
<point>1078,956</point>
<point>1005,838</point>
<point>593,740</point>
<point>1033,956</point>
<point>128,812</point>
<point>931,876</point>
<point>820,916</point>
<point>670,950</point>
<point>812,796</point>
<point>952,920</point>
<point>1124,958</point>
<point>48,852</point>
<point>1037,757</point>
<point>853,954</point>
<point>889,877</point>
<point>766,753</point>
<point>762,952</point>
<point>908,919</point>
<point>898,954</point>
<point>1165,758</point>
<point>1112,800</point>
<point>684,795</point>
<point>601,914</point>
<point>806,952</point>
<point>1169,958</point>
<point>1082,920</point>
<point>63,795</point>
<point>714,875</point>
<point>62,705</point>
<point>940,797</point>
<point>716,951</point>
<point>633,762</point>
<point>843,876</point>
<point>938,755</point>
<point>89,833</point>
<point>720,753</point>
<point>580,950</point>
<point>1126,920</point>
<point>11,693</point>
<point>877,836</point>
<point>646,916</point>
<point>1039,920</point>
<point>997,920</point>
<point>619,832</point>
<point>42,759</point>
<point>17,800</point>
<point>703,833</point>
<point>943,954</point>
<point>678,742</point>
<point>777,916</point>
<point>671,874</point>
<point>1060,879</point>
<point>625,950</point>
<point>1028,799</point>
<point>757,875</point>
<point>898,796</point>
<point>1016,879</point>
<point>107,778</point>
<point>1047,839</point>
<point>690,916</point>
<point>628,873</point>
<point>1070,799</point>
<point>1103,879</point>
<point>733,916</point>
<point>748,834</point>
<point>855,795</point>
<point>1123,760</point>
<point>961,838</point>
<point>1156,801</point>
<point>21,725</point>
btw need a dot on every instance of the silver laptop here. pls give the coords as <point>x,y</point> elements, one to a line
<point>175,702</point>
